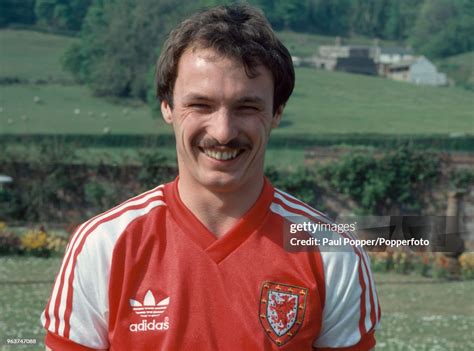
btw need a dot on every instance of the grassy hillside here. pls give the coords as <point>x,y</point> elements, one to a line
<point>333,102</point>
<point>460,68</point>
<point>323,102</point>
<point>32,55</point>
<point>70,109</point>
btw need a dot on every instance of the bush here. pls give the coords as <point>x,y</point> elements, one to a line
<point>381,261</point>
<point>301,183</point>
<point>55,187</point>
<point>466,260</point>
<point>100,194</point>
<point>427,264</point>
<point>402,262</point>
<point>380,141</point>
<point>9,242</point>
<point>401,179</point>
<point>423,263</point>
<point>151,169</point>
<point>461,179</point>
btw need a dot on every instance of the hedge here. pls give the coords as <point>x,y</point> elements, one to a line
<point>433,142</point>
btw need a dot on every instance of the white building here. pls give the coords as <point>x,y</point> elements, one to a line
<point>418,70</point>
<point>391,55</point>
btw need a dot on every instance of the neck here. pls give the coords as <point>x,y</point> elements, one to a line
<point>218,211</point>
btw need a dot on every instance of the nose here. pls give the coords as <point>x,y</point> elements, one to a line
<point>223,126</point>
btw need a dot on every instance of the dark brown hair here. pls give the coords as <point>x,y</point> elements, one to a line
<point>240,32</point>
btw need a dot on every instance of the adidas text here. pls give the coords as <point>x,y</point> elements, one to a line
<point>146,325</point>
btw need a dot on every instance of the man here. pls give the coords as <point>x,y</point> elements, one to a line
<point>199,263</point>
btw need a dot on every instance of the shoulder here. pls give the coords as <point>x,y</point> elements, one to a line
<point>80,292</point>
<point>316,224</point>
<point>100,233</point>
<point>351,310</point>
<point>291,207</point>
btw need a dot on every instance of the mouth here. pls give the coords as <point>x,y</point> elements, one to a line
<point>222,155</point>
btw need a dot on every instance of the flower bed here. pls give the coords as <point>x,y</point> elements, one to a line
<point>34,242</point>
<point>428,264</point>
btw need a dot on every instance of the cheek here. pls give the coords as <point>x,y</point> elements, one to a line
<point>189,131</point>
<point>260,130</point>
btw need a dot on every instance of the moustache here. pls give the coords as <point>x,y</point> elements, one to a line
<point>210,143</point>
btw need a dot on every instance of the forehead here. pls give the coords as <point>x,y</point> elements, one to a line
<point>205,71</point>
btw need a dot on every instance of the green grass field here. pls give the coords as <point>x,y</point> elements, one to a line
<point>70,109</point>
<point>32,55</point>
<point>333,102</point>
<point>323,102</point>
<point>418,313</point>
<point>460,68</point>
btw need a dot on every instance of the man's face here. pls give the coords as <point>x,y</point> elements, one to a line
<point>221,119</point>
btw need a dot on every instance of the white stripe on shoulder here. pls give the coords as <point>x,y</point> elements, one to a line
<point>96,256</point>
<point>313,214</point>
<point>76,239</point>
<point>310,211</point>
<point>135,201</point>
<point>295,200</point>
<point>297,206</point>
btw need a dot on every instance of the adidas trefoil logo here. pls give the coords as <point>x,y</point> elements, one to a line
<point>149,309</point>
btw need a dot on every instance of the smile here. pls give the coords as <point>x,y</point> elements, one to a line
<point>221,155</point>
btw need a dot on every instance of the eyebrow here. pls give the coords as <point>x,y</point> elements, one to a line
<point>194,97</point>
<point>244,99</point>
<point>251,99</point>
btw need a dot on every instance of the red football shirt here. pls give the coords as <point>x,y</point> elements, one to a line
<point>148,275</point>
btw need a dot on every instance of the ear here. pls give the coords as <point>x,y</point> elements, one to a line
<point>166,112</point>
<point>277,116</point>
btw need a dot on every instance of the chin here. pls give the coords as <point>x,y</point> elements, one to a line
<point>222,183</point>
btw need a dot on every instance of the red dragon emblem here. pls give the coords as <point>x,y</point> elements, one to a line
<point>282,310</point>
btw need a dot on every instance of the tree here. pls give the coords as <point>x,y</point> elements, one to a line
<point>369,17</point>
<point>13,11</point>
<point>329,16</point>
<point>62,14</point>
<point>444,28</point>
<point>119,43</point>
<point>401,18</point>
<point>393,28</point>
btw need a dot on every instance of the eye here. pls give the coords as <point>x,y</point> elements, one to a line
<point>200,106</point>
<point>248,108</point>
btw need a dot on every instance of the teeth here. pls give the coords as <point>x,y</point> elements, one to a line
<point>221,155</point>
